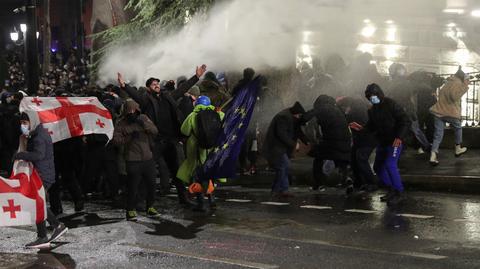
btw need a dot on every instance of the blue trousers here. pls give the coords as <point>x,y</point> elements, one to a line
<point>281,174</point>
<point>386,166</point>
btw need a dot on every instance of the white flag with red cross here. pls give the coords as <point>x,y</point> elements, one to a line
<point>22,197</point>
<point>66,117</point>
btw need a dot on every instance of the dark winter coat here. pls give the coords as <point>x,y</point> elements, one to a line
<point>358,112</point>
<point>149,104</point>
<point>388,121</point>
<point>336,137</point>
<point>40,152</point>
<point>282,136</point>
<point>214,91</point>
<point>185,105</point>
<point>136,137</point>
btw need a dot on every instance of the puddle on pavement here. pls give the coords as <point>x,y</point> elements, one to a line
<point>41,260</point>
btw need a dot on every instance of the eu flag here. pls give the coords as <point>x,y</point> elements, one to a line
<point>222,160</point>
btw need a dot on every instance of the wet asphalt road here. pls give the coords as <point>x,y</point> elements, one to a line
<point>311,230</point>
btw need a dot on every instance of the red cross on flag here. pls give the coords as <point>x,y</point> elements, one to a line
<point>22,197</point>
<point>66,117</point>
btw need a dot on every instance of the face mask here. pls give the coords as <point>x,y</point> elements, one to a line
<point>374,100</point>
<point>25,129</point>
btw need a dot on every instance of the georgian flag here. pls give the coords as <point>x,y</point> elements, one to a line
<point>66,117</point>
<point>22,197</point>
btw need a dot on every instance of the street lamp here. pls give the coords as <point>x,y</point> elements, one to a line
<point>23,27</point>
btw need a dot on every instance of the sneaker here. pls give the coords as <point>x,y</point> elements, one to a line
<point>58,231</point>
<point>420,151</point>
<point>459,150</point>
<point>433,159</point>
<point>396,199</point>
<point>132,215</point>
<point>387,197</point>
<point>41,242</point>
<point>79,206</point>
<point>152,212</point>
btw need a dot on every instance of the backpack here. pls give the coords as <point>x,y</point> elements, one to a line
<point>209,126</point>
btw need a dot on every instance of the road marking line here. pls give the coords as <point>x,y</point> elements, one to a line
<point>363,211</point>
<point>325,243</point>
<point>416,216</point>
<point>274,203</point>
<point>316,207</point>
<point>423,255</point>
<point>238,200</point>
<point>208,258</point>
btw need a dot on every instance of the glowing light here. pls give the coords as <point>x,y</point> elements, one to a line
<point>38,34</point>
<point>366,47</point>
<point>14,36</point>
<point>367,21</point>
<point>23,27</point>
<point>373,62</point>
<point>391,52</point>
<point>306,50</point>
<point>476,13</point>
<point>458,11</point>
<point>389,22</point>
<point>368,31</point>
<point>451,24</point>
<point>306,36</point>
<point>391,34</point>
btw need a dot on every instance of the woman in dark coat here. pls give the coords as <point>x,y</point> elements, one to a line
<point>336,142</point>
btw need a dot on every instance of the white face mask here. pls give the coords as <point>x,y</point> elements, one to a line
<point>25,129</point>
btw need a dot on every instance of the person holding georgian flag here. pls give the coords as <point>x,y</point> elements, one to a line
<point>39,151</point>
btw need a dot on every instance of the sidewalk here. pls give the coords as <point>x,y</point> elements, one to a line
<point>457,175</point>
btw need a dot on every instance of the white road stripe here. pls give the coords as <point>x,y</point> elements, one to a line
<point>274,203</point>
<point>416,216</point>
<point>363,211</point>
<point>423,255</point>
<point>316,207</point>
<point>238,200</point>
<point>245,264</point>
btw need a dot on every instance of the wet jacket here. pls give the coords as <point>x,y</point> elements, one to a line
<point>282,135</point>
<point>195,155</point>
<point>214,91</point>
<point>336,137</point>
<point>449,99</point>
<point>149,104</point>
<point>388,120</point>
<point>39,151</point>
<point>136,137</point>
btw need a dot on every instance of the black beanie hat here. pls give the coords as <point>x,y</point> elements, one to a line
<point>24,117</point>
<point>248,73</point>
<point>460,74</point>
<point>297,108</point>
<point>150,81</point>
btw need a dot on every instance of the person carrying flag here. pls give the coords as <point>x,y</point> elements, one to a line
<point>202,127</point>
<point>39,151</point>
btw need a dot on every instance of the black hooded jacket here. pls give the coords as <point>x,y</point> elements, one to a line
<point>388,120</point>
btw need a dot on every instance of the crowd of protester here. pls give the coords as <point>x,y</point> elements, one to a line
<point>341,112</point>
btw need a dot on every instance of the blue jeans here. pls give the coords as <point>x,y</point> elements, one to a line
<point>386,166</point>
<point>281,174</point>
<point>419,135</point>
<point>440,128</point>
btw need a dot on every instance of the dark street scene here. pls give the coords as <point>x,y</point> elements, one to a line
<point>239,134</point>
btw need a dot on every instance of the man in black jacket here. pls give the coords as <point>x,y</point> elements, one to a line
<point>390,123</point>
<point>336,140</point>
<point>39,151</point>
<point>161,108</point>
<point>281,140</point>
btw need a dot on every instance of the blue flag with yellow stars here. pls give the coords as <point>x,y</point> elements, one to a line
<point>222,160</point>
